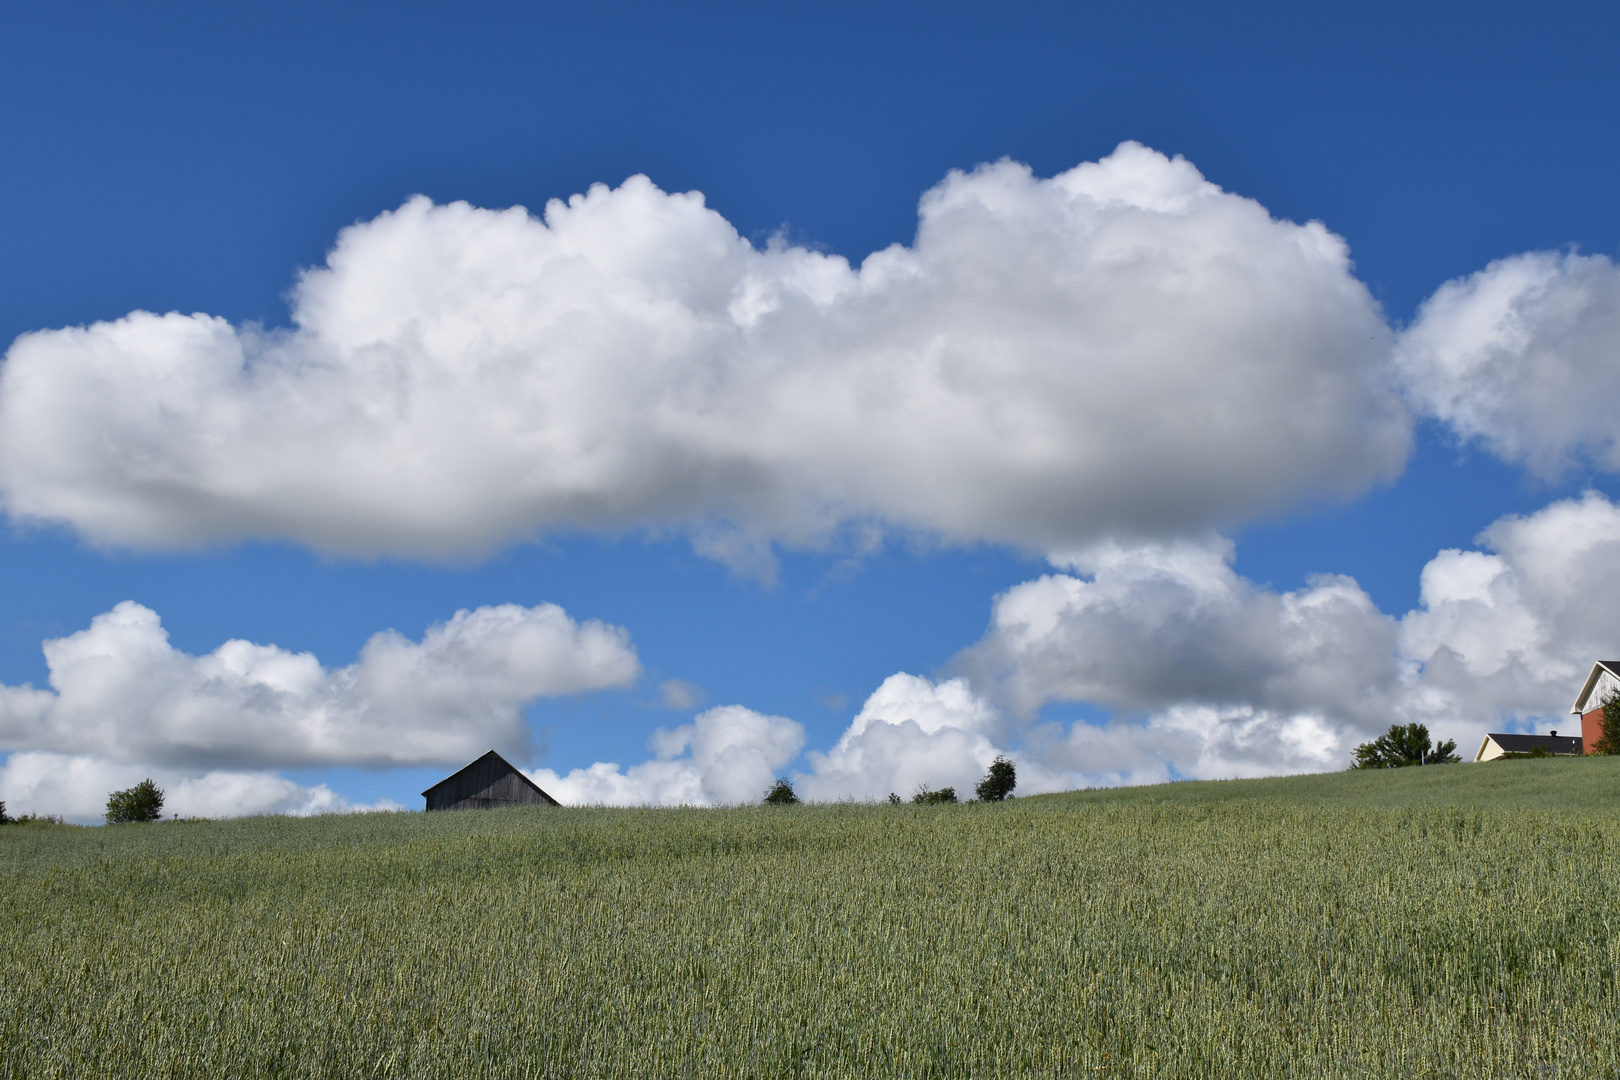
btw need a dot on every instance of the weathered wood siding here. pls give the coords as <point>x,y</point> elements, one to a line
<point>489,783</point>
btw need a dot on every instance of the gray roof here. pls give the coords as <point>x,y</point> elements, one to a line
<point>492,762</point>
<point>1523,744</point>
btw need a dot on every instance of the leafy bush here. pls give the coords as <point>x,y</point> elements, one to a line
<point>1609,741</point>
<point>934,798</point>
<point>781,793</point>
<point>3,819</point>
<point>999,782</point>
<point>143,802</point>
<point>1402,746</point>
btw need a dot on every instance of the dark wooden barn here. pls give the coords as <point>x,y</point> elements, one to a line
<point>489,783</point>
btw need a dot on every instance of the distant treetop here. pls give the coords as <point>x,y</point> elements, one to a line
<point>781,793</point>
<point>1402,746</point>
<point>143,802</point>
<point>999,782</point>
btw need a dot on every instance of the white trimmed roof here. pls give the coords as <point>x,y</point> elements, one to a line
<point>1610,666</point>
<point>1523,744</point>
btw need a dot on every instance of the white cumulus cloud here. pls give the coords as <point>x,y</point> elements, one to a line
<point>1207,674</point>
<point>1197,672</point>
<point>1524,356</point>
<point>910,733</point>
<point>120,692</point>
<point>726,755</point>
<point>1201,672</point>
<point>1120,349</point>
<point>1510,632</point>
<point>76,786</point>
<point>1158,625</point>
<point>1191,670</point>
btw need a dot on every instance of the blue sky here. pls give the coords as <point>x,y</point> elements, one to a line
<point>197,158</point>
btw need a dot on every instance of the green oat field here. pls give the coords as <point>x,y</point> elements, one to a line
<point>1454,921</point>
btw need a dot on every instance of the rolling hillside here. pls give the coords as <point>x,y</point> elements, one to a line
<point>1590,783</point>
<point>1451,921</point>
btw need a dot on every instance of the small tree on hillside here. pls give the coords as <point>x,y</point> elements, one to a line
<point>3,819</point>
<point>781,793</point>
<point>999,782</point>
<point>1401,746</point>
<point>928,797</point>
<point>143,802</point>
<point>1609,741</point>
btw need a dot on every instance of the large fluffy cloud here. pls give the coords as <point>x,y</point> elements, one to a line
<point>121,693</point>
<point>910,733</point>
<point>1198,672</point>
<point>1190,670</point>
<point>1207,674</point>
<point>1151,626</point>
<point>726,755</point>
<point>1121,349</point>
<point>1525,357</point>
<point>1511,632</point>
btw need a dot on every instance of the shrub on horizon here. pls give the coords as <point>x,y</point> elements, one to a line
<point>1402,746</point>
<point>1609,741</point>
<point>999,782</point>
<point>143,802</point>
<point>928,797</point>
<point>781,793</point>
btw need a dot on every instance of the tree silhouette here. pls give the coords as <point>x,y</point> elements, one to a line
<point>143,802</point>
<point>781,793</point>
<point>999,782</point>
<point>1402,746</point>
<point>1609,741</point>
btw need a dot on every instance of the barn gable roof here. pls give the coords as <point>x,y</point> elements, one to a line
<point>1611,667</point>
<point>491,758</point>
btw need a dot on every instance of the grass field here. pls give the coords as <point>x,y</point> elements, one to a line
<point>1455,921</point>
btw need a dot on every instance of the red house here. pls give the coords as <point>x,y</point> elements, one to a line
<point>1601,685</point>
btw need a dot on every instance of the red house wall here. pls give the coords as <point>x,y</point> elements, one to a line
<point>1591,730</point>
